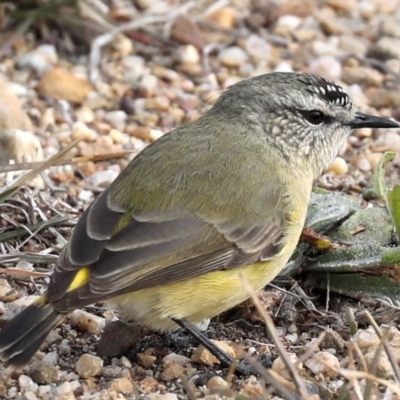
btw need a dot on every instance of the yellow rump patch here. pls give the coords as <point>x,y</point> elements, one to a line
<point>80,279</point>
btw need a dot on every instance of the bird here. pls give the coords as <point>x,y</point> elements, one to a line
<point>212,202</point>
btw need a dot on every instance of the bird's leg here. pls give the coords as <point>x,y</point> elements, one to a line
<point>225,359</point>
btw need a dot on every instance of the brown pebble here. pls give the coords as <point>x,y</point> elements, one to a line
<point>148,385</point>
<point>61,84</point>
<point>121,385</point>
<point>128,336</point>
<point>202,355</point>
<point>171,372</point>
<point>145,360</point>
<point>88,366</point>
<point>43,373</point>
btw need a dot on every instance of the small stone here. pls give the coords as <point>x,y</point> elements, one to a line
<point>51,358</point>
<point>171,372</point>
<point>145,360</point>
<point>339,166</point>
<point>7,293</point>
<point>121,385</point>
<point>362,76</point>
<point>390,26</point>
<point>85,114</point>
<point>102,178</point>
<point>280,368</point>
<point>286,24</point>
<point>41,59</point>
<point>148,385</point>
<point>87,321</point>
<point>374,159</point>
<point>117,119</point>
<point>82,132</point>
<point>224,17</point>
<point>29,396</point>
<point>385,48</point>
<point>366,339</point>
<point>118,137</point>
<point>202,355</point>
<point>233,57</point>
<point>141,132</point>
<point>12,114</point>
<point>326,66</point>
<point>384,367</point>
<point>253,388</point>
<point>43,373</point>
<point>44,391</point>
<point>64,392</point>
<point>186,31</point>
<point>216,385</point>
<point>26,383</point>
<point>333,340</point>
<point>128,336</point>
<point>174,358</point>
<point>88,366</point>
<point>164,396</point>
<point>20,146</point>
<point>389,140</point>
<point>323,363</point>
<point>61,84</point>
<point>361,162</point>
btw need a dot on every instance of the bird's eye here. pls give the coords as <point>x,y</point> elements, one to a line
<point>314,117</point>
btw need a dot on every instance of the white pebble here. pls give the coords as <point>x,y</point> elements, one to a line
<point>87,322</point>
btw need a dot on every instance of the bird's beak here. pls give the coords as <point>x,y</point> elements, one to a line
<point>362,120</point>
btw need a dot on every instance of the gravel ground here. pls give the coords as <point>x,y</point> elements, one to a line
<point>156,75</point>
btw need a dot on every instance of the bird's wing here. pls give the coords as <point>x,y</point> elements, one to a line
<point>125,252</point>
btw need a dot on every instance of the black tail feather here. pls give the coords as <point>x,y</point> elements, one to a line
<point>22,336</point>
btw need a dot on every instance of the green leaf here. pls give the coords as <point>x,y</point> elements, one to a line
<point>393,201</point>
<point>377,188</point>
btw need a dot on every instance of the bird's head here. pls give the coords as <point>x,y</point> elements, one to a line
<point>305,117</point>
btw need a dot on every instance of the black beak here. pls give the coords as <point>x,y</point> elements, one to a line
<point>362,120</point>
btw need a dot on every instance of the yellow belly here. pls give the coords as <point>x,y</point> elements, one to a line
<point>204,296</point>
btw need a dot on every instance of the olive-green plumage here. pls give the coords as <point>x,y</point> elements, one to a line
<point>221,197</point>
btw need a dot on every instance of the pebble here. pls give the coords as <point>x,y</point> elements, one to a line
<point>366,339</point>
<point>202,355</point>
<point>233,57</point>
<point>64,392</point>
<point>61,84</point>
<point>389,140</point>
<point>128,336</point>
<point>280,368</point>
<point>339,166</point>
<point>362,76</point>
<point>43,373</point>
<point>323,363</point>
<point>286,24</point>
<point>189,54</point>
<point>390,26</point>
<point>171,372</point>
<point>41,59</point>
<point>164,396</point>
<point>174,358</point>
<point>87,321</point>
<point>88,366</point>
<point>224,17</point>
<point>216,385</point>
<point>80,131</point>
<point>102,178</point>
<point>257,47</point>
<point>117,119</point>
<point>326,66</point>
<point>384,367</point>
<point>51,358</point>
<point>85,114</point>
<point>252,388</point>
<point>26,383</point>
<point>121,385</point>
<point>385,48</point>
<point>7,293</point>
<point>148,384</point>
<point>145,360</point>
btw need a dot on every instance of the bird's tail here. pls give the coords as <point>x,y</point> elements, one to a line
<point>23,335</point>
